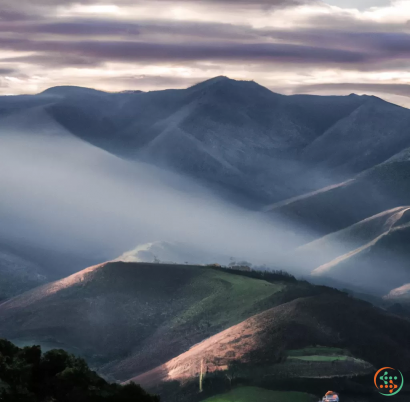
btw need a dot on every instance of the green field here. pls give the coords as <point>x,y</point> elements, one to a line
<point>318,354</point>
<point>254,394</point>
<point>237,294</point>
<point>314,358</point>
<point>318,350</point>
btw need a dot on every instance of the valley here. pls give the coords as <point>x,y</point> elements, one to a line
<point>217,243</point>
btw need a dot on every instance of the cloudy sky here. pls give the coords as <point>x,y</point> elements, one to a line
<point>290,46</point>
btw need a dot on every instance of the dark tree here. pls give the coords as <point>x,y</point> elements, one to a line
<point>27,375</point>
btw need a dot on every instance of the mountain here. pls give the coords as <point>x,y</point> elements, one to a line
<point>17,274</point>
<point>381,188</point>
<point>24,265</point>
<point>371,134</point>
<point>148,313</point>
<point>236,137</point>
<point>356,257</point>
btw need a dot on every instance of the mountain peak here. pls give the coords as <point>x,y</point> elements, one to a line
<point>67,90</point>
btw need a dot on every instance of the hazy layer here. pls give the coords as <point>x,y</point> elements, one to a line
<point>63,192</point>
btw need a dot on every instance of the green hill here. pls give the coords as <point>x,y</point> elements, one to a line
<point>277,344</point>
<point>126,318</point>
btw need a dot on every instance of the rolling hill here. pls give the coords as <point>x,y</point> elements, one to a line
<point>355,337</point>
<point>381,188</point>
<point>129,317</point>
<point>24,265</point>
<point>370,255</point>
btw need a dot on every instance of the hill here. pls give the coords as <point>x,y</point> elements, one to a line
<point>356,257</point>
<point>147,313</point>
<point>17,274</point>
<point>355,337</point>
<point>381,188</point>
<point>345,241</point>
<point>367,137</point>
<point>24,265</point>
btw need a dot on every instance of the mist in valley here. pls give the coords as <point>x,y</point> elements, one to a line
<point>65,194</point>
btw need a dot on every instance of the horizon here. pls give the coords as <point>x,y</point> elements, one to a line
<point>200,82</point>
<point>317,47</point>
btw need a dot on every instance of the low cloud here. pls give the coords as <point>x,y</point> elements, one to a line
<point>73,196</point>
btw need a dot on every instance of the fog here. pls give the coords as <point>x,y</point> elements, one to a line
<point>60,192</point>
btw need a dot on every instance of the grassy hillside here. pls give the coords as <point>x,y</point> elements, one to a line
<point>252,394</point>
<point>129,317</point>
<point>257,347</point>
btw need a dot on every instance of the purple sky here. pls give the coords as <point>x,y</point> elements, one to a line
<point>304,46</point>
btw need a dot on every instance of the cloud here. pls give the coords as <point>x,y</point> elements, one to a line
<point>169,52</point>
<point>7,71</point>
<point>85,199</point>
<point>53,60</point>
<point>252,3</point>
<point>74,28</point>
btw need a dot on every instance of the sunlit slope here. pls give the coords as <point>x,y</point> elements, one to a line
<point>380,265</point>
<point>258,345</point>
<point>379,189</point>
<point>347,242</point>
<point>134,315</point>
<point>400,294</point>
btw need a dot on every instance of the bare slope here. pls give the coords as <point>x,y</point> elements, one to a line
<point>133,316</point>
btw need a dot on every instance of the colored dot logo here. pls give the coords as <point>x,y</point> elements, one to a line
<point>388,381</point>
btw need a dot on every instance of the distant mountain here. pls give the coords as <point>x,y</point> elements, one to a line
<point>237,137</point>
<point>371,192</point>
<point>333,170</point>
<point>17,274</point>
<point>371,134</point>
<point>24,266</point>
<point>369,255</point>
